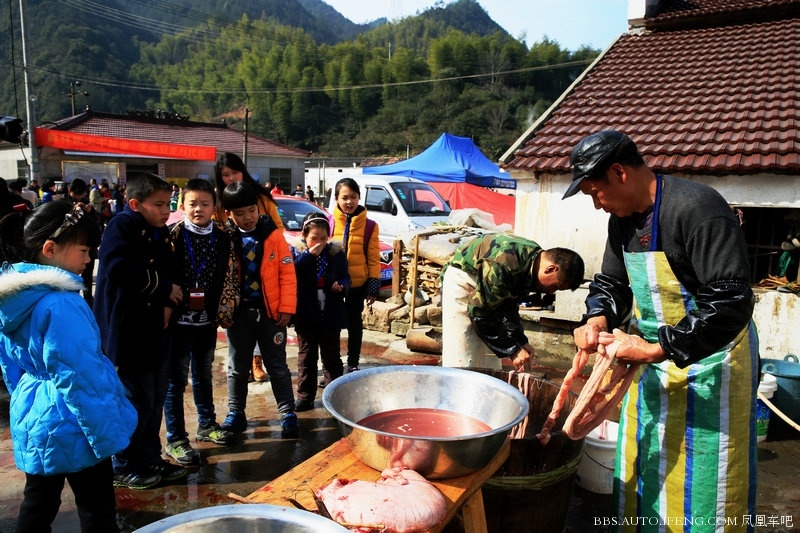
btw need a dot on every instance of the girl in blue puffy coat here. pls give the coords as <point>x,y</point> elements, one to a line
<point>68,411</point>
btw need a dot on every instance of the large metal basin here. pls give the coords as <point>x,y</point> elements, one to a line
<point>250,518</point>
<point>353,397</point>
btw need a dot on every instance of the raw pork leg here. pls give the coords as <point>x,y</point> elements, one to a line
<point>578,362</point>
<point>402,501</point>
<point>596,400</point>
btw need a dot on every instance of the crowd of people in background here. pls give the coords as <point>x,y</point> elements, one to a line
<point>106,199</point>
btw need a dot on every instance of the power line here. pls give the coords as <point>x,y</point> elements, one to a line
<point>295,90</point>
<point>193,34</point>
<point>136,21</point>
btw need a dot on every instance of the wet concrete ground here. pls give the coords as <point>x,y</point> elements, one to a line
<point>260,455</point>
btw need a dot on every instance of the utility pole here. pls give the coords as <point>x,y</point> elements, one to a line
<point>246,125</point>
<point>30,101</point>
<point>73,92</point>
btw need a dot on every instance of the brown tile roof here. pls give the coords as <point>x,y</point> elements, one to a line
<point>145,128</point>
<point>718,99</point>
<point>688,12</point>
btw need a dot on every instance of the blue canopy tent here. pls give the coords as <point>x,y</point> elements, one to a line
<point>461,173</point>
<point>450,159</point>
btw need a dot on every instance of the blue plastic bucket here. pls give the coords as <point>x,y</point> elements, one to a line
<point>787,395</point>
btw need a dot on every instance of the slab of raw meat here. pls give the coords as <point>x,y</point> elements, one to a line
<point>402,501</point>
<point>578,362</point>
<point>596,400</point>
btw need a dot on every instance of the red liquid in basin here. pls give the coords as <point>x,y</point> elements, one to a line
<point>425,422</point>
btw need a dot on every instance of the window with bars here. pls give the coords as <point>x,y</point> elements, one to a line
<point>282,177</point>
<point>766,230</point>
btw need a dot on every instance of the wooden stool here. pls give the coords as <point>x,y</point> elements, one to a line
<point>337,461</point>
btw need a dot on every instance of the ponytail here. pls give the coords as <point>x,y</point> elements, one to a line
<point>12,240</point>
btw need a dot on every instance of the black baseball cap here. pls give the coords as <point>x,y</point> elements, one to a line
<point>594,154</point>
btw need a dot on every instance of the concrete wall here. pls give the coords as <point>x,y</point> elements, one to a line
<point>775,316</point>
<point>9,155</point>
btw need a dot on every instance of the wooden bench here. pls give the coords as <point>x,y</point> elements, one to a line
<point>337,461</point>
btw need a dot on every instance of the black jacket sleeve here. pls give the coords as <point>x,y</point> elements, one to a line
<point>722,309</point>
<point>502,331</point>
<point>609,297</point>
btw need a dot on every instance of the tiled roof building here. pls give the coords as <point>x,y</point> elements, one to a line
<point>112,146</point>
<point>708,90</point>
<point>155,127</point>
<point>707,86</point>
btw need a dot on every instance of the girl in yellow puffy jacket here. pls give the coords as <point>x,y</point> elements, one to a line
<point>359,237</point>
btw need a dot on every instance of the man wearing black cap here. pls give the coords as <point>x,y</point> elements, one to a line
<point>676,258</point>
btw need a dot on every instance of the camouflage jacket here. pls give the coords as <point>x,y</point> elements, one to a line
<point>503,266</point>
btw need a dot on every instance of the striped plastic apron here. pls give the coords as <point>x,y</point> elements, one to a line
<point>686,458</point>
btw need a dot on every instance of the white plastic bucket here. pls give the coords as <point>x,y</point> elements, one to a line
<point>767,387</point>
<point>596,469</point>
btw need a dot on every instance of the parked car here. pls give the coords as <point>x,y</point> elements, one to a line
<point>399,204</point>
<point>293,209</point>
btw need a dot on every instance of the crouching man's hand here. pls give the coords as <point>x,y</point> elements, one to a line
<point>524,358</point>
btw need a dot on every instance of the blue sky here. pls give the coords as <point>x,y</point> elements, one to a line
<point>571,23</point>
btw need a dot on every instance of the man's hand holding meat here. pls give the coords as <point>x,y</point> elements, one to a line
<point>524,358</point>
<point>587,337</point>
<point>631,349</point>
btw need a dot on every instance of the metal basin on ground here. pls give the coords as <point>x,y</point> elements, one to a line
<point>250,518</point>
<point>355,396</point>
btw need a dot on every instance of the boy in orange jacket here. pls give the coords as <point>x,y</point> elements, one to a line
<point>268,301</point>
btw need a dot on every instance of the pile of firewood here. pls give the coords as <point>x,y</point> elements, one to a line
<point>418,260</point>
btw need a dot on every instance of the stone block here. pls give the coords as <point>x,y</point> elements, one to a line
<point>401,313</point>
<point>435,315</point>
<point>399,327</point>
<point>421,315</point>
<point>378,317</point>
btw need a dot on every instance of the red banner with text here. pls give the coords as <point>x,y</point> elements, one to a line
<point>83,142</point>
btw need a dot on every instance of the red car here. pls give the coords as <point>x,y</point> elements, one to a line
<point>293,209</point>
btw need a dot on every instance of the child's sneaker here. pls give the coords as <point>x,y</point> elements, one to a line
<point>289,426</point>
<point>182,452</point>
<point>134,481</point>
<point>214,434</point>
<point>303,405</point>
<point>168,471</point>
<point>235,422</point>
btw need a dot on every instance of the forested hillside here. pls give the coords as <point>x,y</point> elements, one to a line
<point>298,71</point>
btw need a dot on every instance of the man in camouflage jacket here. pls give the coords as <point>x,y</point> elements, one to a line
<point>481,288</point>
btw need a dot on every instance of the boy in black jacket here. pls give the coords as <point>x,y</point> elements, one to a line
<point>133,304</point>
